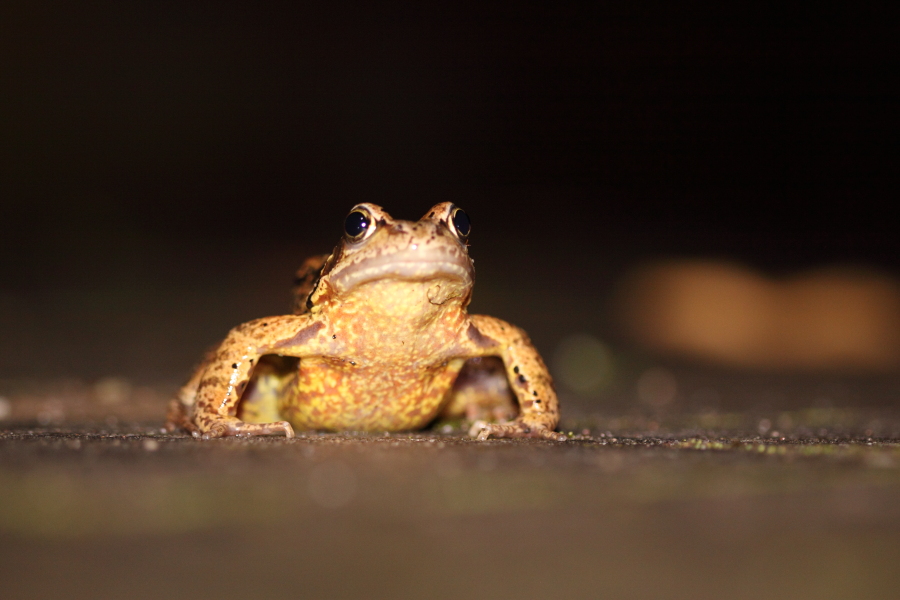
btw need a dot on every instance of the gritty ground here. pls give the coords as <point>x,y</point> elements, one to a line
<point>743,487</point>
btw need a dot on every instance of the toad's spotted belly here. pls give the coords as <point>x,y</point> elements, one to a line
<point>337,395</point>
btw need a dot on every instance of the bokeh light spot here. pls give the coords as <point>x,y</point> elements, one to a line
<point>583,363</point>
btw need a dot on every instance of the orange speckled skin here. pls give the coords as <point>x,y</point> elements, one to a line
<point>381,334</point>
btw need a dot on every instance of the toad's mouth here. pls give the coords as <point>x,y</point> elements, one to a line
<point>406,265</point>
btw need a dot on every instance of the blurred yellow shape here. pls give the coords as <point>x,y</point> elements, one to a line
<point>721,312</point>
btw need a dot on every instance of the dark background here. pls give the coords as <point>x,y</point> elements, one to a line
<point>166,165</point>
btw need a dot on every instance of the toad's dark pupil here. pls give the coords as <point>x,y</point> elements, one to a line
<point>461,222</point>
<point>356,223</point>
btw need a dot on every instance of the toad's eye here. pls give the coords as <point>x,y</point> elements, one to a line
<point>461,223</point>
<point>357,224</point>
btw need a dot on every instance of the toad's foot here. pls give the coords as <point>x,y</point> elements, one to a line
<point>517,428</point>
<point>238,428</point>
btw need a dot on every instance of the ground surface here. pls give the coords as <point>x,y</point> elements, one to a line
<point>743,487</point>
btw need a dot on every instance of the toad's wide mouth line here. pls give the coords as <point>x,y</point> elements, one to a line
<point>406,267</point>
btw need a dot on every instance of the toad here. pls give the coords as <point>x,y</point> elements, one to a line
<point>380,340</point>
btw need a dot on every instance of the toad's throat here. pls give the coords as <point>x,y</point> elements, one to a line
<point>405,267</point>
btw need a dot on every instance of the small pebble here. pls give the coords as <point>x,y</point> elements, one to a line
<point>151,445</point>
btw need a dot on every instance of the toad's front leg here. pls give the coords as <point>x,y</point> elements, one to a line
<point>528,378</point>
<point>227,371</point>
